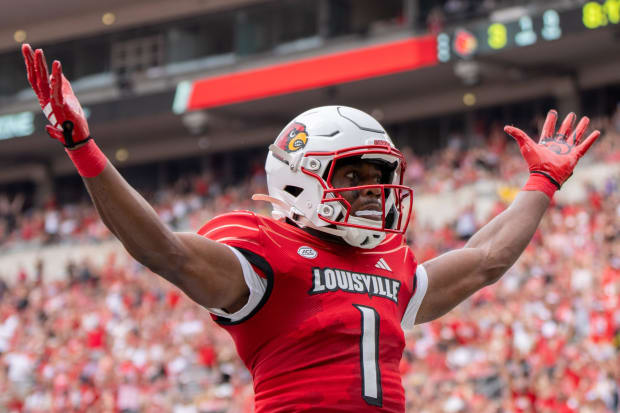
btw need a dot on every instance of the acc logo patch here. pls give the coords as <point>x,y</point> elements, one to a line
<point>293,138</point>
<point>307,252</point>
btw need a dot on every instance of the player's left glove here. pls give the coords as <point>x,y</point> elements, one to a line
<point>554,156</point>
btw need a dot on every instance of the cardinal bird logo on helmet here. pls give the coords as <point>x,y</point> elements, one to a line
<point>293,138</point>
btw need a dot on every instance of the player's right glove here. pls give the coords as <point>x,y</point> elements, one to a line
<point>63,110</point>
<point>554,156</point>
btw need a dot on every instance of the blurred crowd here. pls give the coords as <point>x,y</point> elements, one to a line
<point>192,200</point>
<point>545,338</point>
<point>113,339</point>
<point>116,338</point>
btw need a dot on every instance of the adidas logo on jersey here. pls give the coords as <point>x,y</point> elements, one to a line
<point>330,279</point>
<point>383,265</point>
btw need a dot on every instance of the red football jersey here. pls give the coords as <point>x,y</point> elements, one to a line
<point>327,334</point>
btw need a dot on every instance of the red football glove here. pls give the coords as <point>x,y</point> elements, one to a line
<point>57,100</point>
<point>555,156</point>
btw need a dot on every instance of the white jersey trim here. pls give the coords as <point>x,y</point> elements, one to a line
<point>411,312</point>
<point>256,284</point>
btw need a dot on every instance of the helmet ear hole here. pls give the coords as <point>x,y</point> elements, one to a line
<point>293,190</point>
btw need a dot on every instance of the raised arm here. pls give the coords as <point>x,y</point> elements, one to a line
<point>208,272</point>
<point>456,275</point>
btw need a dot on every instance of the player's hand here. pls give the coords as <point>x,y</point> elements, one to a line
<point>59,104</point>
<point>555,155</point>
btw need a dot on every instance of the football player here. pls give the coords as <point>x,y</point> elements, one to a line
<point>317,297</point>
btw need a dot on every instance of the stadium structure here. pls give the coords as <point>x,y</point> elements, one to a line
<point>163,82</point>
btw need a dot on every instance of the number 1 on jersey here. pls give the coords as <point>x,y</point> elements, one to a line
<point>369,356</point>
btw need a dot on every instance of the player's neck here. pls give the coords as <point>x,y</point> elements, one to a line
<point>319,234</point>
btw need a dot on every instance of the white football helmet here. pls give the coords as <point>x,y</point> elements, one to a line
<point>300,165</point>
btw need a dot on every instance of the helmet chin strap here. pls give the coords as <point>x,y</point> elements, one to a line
<point>363,238</point>
<point>351,236</point>
<point>333,231</point>
<point>302,220</point>
<point>267,198</point>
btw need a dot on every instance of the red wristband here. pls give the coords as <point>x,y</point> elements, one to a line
<point>541,183</point>
<point>88,159</point>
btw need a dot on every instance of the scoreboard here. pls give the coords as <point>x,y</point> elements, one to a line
<point>547,25</point>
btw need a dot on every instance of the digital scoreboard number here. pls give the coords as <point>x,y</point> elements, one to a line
<point>526,30</point>
<point>597,14</point>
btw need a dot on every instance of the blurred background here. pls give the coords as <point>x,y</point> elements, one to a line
<point>184,96</point>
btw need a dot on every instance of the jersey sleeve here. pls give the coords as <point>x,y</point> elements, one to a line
<point>256,284</point>
<point>421,279</point>
<point>239,230</point>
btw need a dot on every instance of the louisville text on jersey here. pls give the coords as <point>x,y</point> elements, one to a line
<point>331,279</point>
